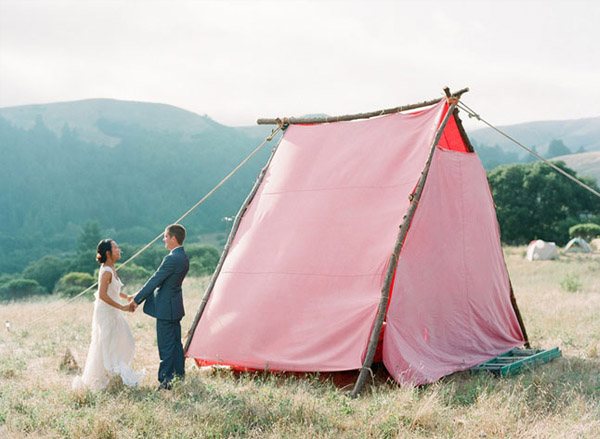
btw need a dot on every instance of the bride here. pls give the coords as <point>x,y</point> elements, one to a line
<point>112,346</point>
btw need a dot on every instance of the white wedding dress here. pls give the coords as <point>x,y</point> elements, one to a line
<point>112,346</point>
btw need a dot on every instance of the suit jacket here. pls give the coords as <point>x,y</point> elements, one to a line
<point>162,292</point>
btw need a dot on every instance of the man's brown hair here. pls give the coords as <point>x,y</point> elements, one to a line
<point>178,231</point>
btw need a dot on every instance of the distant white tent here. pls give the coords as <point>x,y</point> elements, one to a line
<point>539,250</point>
<point>578,245</point>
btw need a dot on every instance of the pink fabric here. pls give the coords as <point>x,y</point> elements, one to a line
<point>450,307</point>
<point>300,287</point>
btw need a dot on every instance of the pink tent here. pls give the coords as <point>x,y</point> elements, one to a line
<point>378,229</point>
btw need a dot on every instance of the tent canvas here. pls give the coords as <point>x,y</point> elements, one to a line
<point>539,250</point>
<point>578,245</point>
<point>302,285</point>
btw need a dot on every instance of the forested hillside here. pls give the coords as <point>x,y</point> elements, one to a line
<point>53,183</point>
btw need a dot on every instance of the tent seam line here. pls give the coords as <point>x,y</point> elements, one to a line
<point>335,189</point>
<point>300,274</point>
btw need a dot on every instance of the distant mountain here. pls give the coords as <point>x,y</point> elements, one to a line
<point>131,166</point>
<point>84,118</point>
<point>575,134</point>
<point>258,132</point>
<point>586,164</point>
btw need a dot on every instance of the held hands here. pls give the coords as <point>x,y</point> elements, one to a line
<point>131,306</point>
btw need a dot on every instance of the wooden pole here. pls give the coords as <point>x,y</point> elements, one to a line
<point>513,302</point>
<point>459,125</point>
<point>327,119</point>
<point>461,130</point>
<point>234,229</point>
<point>385,291</point>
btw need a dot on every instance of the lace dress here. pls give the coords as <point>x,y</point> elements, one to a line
<point>112,346</point>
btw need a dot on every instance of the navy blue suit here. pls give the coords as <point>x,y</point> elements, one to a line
<point>163,300</point>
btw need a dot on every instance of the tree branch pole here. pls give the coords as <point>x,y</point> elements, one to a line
<point>327,119</point>
<point>513,302</point>
<point>232,234</point>
<point>385,291</point>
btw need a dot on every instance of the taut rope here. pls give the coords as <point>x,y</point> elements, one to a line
<point>472,113</point>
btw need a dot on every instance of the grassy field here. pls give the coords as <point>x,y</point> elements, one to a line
<point>559,300</point>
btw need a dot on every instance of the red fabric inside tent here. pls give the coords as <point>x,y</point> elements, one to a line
<point>451,138</point>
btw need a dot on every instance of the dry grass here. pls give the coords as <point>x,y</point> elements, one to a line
<point>560,399</point>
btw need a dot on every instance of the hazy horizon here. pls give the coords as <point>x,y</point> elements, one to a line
<point>464,116</point>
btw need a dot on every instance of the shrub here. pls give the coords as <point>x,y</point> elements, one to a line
<point>150,259</point>
<point>20,288</point>
<point>587,231</point>
<point>133,273</point>
<point>533,202</point>
<point>201,250</point>
<point>46,271</point>
<point>571,283</point>
<point>6,278</point>
<point>73,283</point>
<point>203,259</point>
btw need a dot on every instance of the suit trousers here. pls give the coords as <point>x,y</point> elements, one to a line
<point>170,350</point>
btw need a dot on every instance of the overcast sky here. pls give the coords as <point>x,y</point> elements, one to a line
<point>240,60</point>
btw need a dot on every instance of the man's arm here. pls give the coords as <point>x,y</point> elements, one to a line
<point>166,268</point>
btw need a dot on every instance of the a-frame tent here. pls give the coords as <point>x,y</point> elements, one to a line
<point>360,231</point>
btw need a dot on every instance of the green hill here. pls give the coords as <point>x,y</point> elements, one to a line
<point>576,134</point>
<point>85,118</point>
<point>133,167</point>
<point>586,164</point>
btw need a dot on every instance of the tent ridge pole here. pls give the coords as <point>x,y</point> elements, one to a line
<point>385,291</point>
<point>234,229</point>
<point>347,117</point>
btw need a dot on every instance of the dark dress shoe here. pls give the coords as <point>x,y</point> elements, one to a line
<point>164,386</point>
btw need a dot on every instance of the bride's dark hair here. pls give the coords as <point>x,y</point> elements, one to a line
<point>104,246</point>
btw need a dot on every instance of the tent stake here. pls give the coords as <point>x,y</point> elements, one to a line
<point>327,119</point>
<point>234,229</point>
<point>385,291</point>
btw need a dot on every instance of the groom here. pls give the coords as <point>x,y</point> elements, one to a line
<point>164,302</point>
